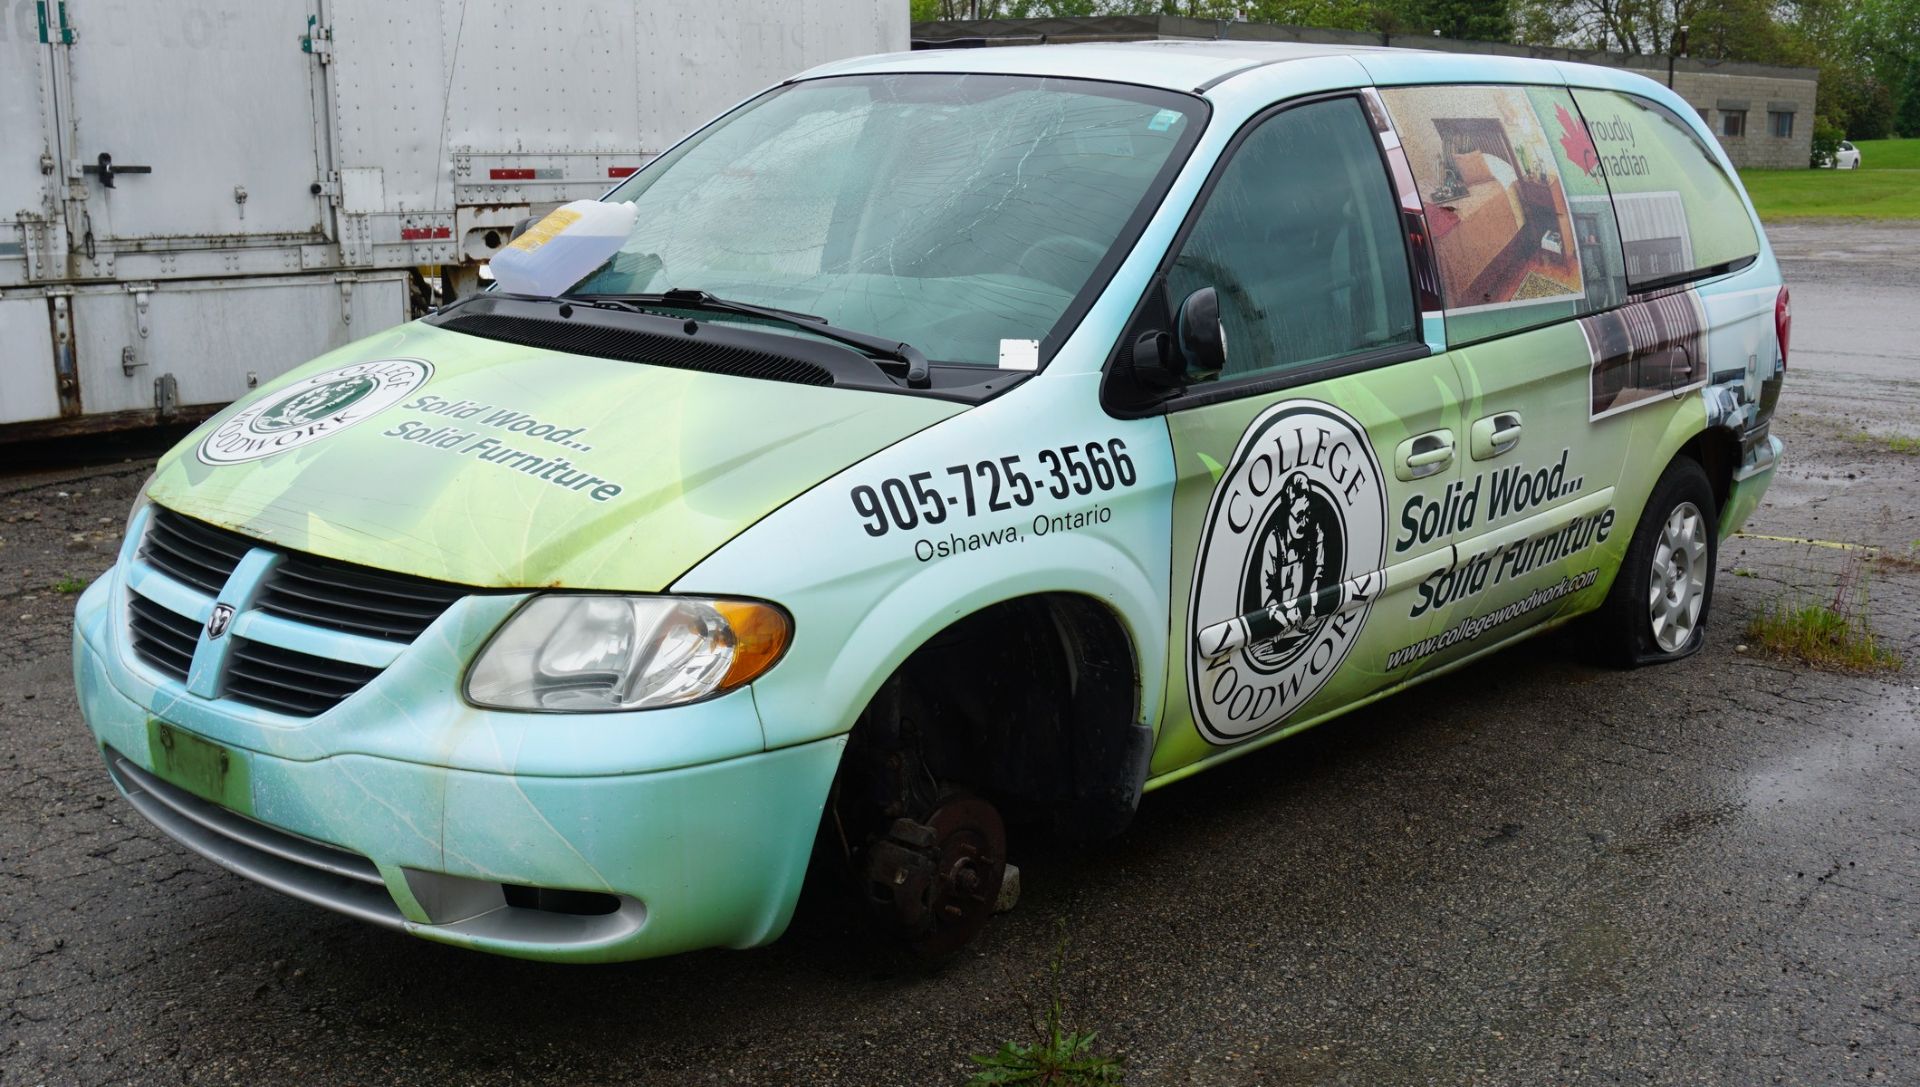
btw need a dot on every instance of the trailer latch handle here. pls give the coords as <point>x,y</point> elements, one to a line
<point>107,170</point>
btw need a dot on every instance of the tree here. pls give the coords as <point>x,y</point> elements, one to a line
<point>1860,104</point>
<point>1721,29</point>
<point>1473,20</point>
<point>1907,119</point>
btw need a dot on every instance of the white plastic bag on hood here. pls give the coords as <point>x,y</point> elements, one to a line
<point>563,248</point>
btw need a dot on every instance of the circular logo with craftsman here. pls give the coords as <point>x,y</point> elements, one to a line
<point>1289,565</point>
<point>311,409</point>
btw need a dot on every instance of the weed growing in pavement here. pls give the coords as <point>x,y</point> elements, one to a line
<point>69,585</point>
<point>1058,1056</point>
<point>1836,635</point>
<point>1892,443</point>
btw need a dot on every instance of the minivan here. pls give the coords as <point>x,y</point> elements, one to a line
<point>942,442</point>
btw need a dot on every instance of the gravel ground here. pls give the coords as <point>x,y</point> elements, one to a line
<point>1535,872</point>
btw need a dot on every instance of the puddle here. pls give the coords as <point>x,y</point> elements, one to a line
<point>1839,760</point>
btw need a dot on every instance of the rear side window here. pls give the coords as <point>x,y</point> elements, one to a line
<point>1301,238</point>
<point>1681,216</point>
<point>1522,232</point>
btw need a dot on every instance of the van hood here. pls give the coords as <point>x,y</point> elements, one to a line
<point>443,455</point>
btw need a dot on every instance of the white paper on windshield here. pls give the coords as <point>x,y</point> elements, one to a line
<point>1019,354</point>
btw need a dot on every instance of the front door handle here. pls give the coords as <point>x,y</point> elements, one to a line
<point>1496,434</point>
<point>1423,455</point>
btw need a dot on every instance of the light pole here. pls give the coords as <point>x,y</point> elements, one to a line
<point>1676,44</point>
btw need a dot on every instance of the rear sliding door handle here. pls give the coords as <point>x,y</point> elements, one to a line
<point>1496,434</point>
<point>1423,455</point>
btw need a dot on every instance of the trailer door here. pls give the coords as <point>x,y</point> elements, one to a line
<point>190,121</point>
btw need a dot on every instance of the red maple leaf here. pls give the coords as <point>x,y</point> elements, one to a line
<point>1576,142</point>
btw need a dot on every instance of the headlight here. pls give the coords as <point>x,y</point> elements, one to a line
<point>590,654</point>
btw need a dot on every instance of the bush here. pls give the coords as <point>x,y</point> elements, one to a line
<point>1826,140</point>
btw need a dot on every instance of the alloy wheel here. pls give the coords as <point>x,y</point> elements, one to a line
<point>1678,588</point>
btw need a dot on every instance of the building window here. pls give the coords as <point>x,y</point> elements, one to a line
<point>1733,122</point>
<point>1780,124</point>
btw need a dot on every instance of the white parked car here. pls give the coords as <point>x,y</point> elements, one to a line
<point>1847,157</point>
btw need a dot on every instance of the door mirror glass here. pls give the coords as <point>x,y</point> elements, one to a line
<point>1200,336</point>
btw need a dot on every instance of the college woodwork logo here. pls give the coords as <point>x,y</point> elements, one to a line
<point>1289,565</point>
<point>309,410</point>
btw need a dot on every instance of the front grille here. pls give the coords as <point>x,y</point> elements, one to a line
<point>163,638</point>
<point>191,552</point>
<point>291,682</point>
<point>310,589</point>
<point>327,595</point>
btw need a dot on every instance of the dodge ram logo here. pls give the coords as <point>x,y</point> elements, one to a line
<point>219,621</point>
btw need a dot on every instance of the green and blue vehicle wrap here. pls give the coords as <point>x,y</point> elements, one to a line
<point>877,519</point>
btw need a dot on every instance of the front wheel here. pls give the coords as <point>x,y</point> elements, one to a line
<point>1657,609</point>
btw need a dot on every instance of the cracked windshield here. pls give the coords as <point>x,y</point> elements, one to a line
<point>960,214</point>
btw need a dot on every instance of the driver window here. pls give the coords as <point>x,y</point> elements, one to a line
<point>1301,240</point>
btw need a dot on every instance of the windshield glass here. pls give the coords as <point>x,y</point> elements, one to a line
<point>952,212</point>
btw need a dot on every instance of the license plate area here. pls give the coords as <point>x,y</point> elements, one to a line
<point>201,767</point>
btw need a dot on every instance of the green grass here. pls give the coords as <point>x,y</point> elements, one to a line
<point>1889,154</point>
<point>1892,443</point>
<point>69,585</point>
<point>1821,637</point>
<point>1057,1055</point>
<point>1887,186</point>
<point>1835,636</point>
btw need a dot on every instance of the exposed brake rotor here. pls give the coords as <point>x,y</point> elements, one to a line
<point>936,881</point>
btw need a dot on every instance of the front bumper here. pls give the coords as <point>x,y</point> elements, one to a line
<point>674,859</point>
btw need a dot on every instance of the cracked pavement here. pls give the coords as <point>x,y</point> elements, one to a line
<point>1530,872</point>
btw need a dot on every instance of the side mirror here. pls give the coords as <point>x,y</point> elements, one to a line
<point>1199,335</point>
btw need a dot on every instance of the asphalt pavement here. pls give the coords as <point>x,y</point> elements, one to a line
<point>1534,871</point>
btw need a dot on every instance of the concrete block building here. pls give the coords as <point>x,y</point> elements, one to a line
<point>1762,114</point>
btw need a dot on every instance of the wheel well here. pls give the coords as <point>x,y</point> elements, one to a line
<point>1032,702</point>
<point>1717,451</point>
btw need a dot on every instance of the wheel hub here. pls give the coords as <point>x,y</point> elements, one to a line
<point>936,880</point>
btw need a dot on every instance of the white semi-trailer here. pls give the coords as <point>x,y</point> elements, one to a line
<point>197,196</point>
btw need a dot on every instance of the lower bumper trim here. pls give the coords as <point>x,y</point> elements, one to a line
<point>307,870</point>
<point>461,910</point>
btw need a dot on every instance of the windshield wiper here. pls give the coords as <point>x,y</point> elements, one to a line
<point>679,298</point>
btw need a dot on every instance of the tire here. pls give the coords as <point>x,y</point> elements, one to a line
<point>1657,609</point>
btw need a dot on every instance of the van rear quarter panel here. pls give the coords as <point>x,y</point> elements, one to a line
<point>1738,306</point>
